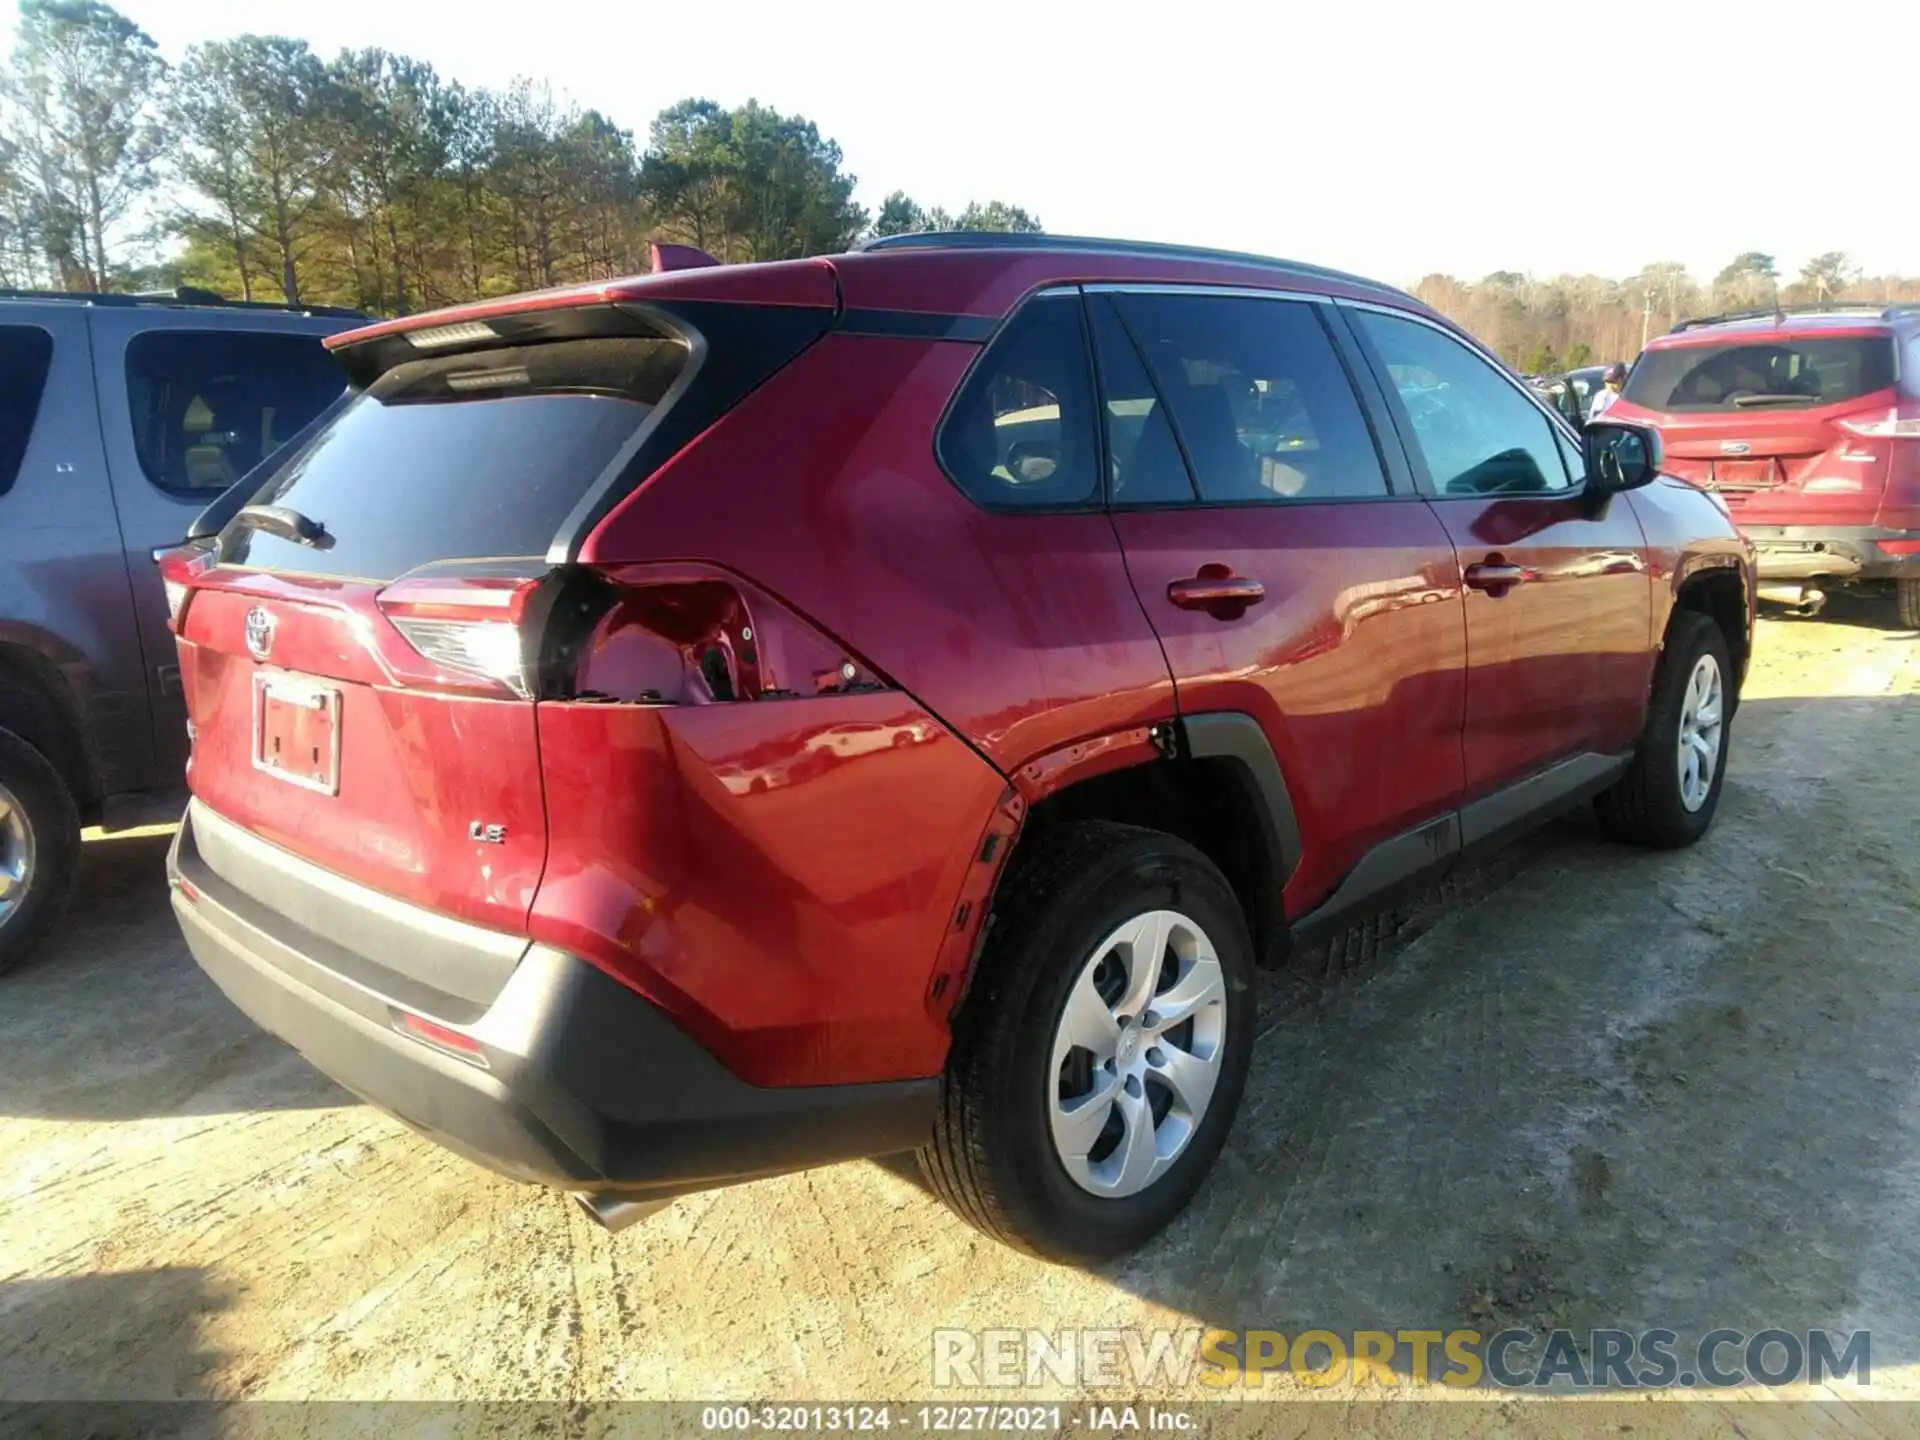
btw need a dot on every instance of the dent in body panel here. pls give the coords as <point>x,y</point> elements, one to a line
<point>779,877</point>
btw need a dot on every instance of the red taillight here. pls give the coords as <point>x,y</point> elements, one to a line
<point>470,625</point>
<point>178,570</point>
<point>1898,422</point>
<point>440,1037</point>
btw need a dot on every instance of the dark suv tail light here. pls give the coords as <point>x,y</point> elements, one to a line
<point>179,568</point>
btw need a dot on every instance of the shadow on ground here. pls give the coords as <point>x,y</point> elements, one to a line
<point>1584,1086</point>
<point>112,1020</point>
<point>132,1335</point>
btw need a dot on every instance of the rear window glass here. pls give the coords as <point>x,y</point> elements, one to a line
<point>208,406</point>
<point>1767,374</point>
<point>25,353</point>
<point>462,456</point>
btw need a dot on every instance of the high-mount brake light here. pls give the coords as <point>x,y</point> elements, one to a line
<point>439,337</point>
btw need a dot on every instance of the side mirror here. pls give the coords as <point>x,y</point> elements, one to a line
<point>1621,457</point>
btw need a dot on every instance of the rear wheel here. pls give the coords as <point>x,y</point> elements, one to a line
<point>39,848</point>
<point>1669,795</point>
<point>1103,1047</point>
<point>1909,599</point>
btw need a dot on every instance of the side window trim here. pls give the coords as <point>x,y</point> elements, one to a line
<point>1387,440</point>
<point>1095,502</point>
<point>1394,472</point>
<point>1403,423</point>
<point>1088,298</point>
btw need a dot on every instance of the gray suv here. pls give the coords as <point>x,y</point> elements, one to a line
<point>121,419</point>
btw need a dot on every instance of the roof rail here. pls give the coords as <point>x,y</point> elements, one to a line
<point>1880,309</point>
<point>1086,244</point>
<point>180,295</point>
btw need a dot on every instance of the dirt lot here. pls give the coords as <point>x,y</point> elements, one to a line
<point>1591,1087</point>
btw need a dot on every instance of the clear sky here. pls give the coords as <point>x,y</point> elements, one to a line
<point>1388,138</point>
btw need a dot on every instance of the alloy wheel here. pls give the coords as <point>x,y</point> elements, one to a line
<point>1702,725</point>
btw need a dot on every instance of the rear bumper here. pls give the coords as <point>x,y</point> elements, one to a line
<point>1830,552</point>
<point>582,1084</point>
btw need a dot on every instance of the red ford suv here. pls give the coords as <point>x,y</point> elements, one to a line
<point>1807,424</point>
<point>680,729</point>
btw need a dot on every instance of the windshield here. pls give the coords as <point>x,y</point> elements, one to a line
<point>1762,374</point>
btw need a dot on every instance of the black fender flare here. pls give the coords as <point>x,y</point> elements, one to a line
<point>1237,738</point>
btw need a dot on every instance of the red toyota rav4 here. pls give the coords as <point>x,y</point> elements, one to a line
<point>1808,425</point>
<point>687,728</point>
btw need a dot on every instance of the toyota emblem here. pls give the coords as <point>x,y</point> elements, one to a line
<point>260,632</point>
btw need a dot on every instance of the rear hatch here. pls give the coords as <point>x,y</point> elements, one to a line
<point>360,645</point>
<point>1782,423</point>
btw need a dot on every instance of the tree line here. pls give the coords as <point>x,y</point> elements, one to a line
<point>1543,326</point>
<point>261,170</point>
<point>264,171</point>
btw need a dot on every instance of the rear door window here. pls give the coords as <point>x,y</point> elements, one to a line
<point>25,353</point>
<point>1773,374</point>
<point>1260,401</point>
<point>208,406</point>
<point>462,456</point>
<point>1021,432</point>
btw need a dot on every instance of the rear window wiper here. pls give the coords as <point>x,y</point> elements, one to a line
<point>286,522</point>
<point>1748,401</point>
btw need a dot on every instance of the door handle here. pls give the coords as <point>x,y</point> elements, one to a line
<point>1218,591</point>
<point>1495,576</point>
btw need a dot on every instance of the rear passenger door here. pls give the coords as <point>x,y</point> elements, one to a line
<point>1559,602</point>
<point>189,402</point>
<point>1289,568</point>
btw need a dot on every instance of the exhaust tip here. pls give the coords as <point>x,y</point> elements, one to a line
<point>1801,598</point>
<point>613,1213</point>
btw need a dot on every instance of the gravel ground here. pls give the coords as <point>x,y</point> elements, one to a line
<point>1583,1086</point>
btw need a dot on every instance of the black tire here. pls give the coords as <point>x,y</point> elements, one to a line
<point>992,1158</point>
<point>37,788</point>
<point>1908,593</point>
<point>1644,807</point>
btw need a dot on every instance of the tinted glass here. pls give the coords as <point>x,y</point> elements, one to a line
<point>462,456</point>
<point>208,406</point>
<point>1021,431</point>
<point>1259,397</point>
<point>1145,458</point>
<point>25,353</point>
<point>1761,374</point>
<point>1477,431</point>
